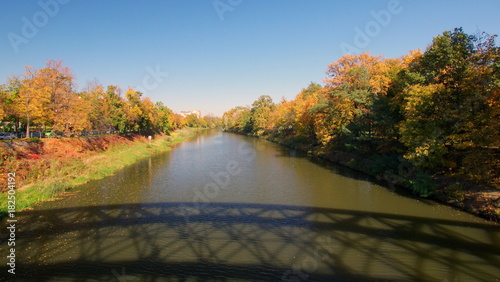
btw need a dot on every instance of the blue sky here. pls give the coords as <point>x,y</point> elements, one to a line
<point>213,55</point>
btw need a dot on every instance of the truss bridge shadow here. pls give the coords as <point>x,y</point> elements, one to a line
<point>231,241</point>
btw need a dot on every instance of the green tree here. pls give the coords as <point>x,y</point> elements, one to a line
<point>192,120</point>
<point>237,120</point>
<point>115,101</point>
<point>260,113</point>
<point>165,122</point>
<point>447,106</point>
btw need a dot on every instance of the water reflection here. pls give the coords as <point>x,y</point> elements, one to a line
<point>142,242</point>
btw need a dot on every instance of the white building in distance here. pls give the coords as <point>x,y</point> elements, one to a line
<point>187,113</point>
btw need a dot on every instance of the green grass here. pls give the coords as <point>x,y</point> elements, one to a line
<point>61,177</point>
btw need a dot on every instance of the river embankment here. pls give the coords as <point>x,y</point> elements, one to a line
<point>45,169</point>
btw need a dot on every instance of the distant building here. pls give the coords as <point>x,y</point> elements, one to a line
<point>187,113</point>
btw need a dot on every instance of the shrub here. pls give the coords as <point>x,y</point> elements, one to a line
<point>382,163</point>
<point>423,184</point>
<point>34,139</point>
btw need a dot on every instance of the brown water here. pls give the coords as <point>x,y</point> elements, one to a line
<point>227,207</point>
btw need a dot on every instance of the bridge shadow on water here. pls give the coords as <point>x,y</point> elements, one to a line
<point>232,241</point>
<point>351,173</point>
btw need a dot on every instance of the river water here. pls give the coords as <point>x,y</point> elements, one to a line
<point>225,207</point>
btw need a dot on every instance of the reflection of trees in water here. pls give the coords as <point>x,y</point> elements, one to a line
<point>249,241</point>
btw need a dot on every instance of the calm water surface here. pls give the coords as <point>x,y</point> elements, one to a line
<point>227,207</point>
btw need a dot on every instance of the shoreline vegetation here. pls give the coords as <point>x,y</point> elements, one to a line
<point>48,168</point>
<point>427,121</point>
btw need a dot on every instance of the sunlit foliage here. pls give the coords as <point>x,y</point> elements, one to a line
<point>438,109</point>
<point>45,100</point>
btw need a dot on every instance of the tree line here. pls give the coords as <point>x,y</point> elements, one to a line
<point>45,99</point>
<point>438,109</point>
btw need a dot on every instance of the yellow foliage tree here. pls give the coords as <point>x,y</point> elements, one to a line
<point>33,101</point>
<point>374,76</point>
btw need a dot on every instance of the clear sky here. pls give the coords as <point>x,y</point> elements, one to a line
<point>213,55</point>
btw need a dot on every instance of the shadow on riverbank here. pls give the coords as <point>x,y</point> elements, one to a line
<point>344,170</point>
<point>400,177</point>
<point>146,242</point>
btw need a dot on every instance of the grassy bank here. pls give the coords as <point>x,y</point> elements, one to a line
<point>47,168</point>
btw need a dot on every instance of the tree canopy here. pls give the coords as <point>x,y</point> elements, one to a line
<point>45,99</point>
<point>439,109</point>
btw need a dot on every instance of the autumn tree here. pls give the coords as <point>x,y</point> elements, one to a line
<point>9,93</point>
<point>100,110</point>
<point>448,104</point>
<point>260,113</point>
<point>359,85</point>
<point>149,115</point>
<point>212,121</point>
<point>132,109</point>
<point>295,119</point>
<point>304,116</point>
<point>332,116</point>
<point>33,99</point>
<point>65,109</point>
<point>3,102</point>
<point>178,121</point>
<point>237,120</point>
<point>229,120</point>
<point>281,121</point>
<point>193,120</point>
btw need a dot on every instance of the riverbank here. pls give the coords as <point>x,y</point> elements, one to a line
<point>45,169</point>
<point>466,195</point>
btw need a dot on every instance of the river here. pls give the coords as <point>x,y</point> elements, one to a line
<point>231,208</point>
